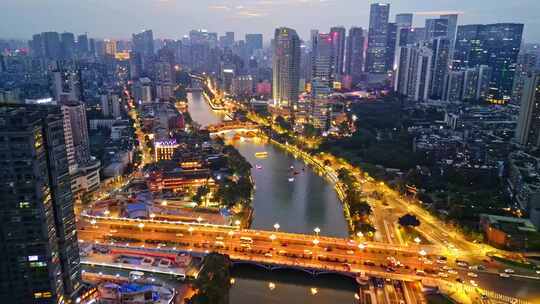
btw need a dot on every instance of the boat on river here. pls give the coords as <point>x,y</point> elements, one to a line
<point>263,154</point>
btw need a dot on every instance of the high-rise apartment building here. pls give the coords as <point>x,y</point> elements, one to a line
<point>414,72</point>
<point>286,67</point>
<point>528,127</point>
<point>376,59</point>
<point>40,256</point>
<point>453,90</point>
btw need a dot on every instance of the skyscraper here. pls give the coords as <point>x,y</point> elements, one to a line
<point>82,45</point>
<point>528,127</point>
<point>436,28</point>
<point>495,45</point>
<point>404,20</point>
<point>441,53</point>
<point>40,256</point>
<point>526,64</point>
<point>68,45</point>
<point>452,28</point>
<point>253,42</point>
<point>377,38</point>
<point>52,48</point>
<point>391,46</point>
<point>322,64</point>
<point>355,53</point>
<point>36,46</point>
<point>143,43</point>
<point>286,67</point>
<point>227,40</point>
<point>338,35</point>
<point>403,27</point>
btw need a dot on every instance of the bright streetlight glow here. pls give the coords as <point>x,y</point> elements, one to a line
<point>317,230</point>
<point>316,242</point>
<point>276,226</point>
<point>140,225</point>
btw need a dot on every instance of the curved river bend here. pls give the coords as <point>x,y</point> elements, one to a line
<point>299,206</point>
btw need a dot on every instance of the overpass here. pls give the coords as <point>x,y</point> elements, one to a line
<point>272,250</point>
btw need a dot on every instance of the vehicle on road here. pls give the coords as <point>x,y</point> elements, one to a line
<point>509,270</point>
<point>504,275</point>
<point>246,240</point>
<point>472,275</point>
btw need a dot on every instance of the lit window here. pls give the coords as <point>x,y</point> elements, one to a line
<point>24,205</point>
<point>33,258</point>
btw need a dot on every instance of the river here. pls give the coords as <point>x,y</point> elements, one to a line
<point>299,206</point>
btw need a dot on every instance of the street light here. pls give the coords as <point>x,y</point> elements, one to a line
<point>190,229</point>
<point>237,222</point>
<point>417,240</point>
<point>199,219</point>
<point>140,225</point>
<point>360,234</point>
<point>152,216</point>
<point>317,230</point>
<point>93,222</point>
<point>273,237</point>
<point>316,242</point>
<point>276,226</point>
<point>422,252</point>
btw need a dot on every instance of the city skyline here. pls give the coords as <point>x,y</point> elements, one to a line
<point>172,19</point>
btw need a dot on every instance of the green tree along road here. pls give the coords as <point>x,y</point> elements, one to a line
<point>359,209</point>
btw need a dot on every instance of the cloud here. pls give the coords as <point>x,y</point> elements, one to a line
<point>219,8</point>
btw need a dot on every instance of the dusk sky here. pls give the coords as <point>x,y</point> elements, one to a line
<point>174,18</point>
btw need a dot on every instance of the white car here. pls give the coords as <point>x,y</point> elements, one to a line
<point>504,275</point>
<point>509,270</point>
<point>473,283</point>
<point>472,275</point>
<point>443,275</point>
<point>452,271</point>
